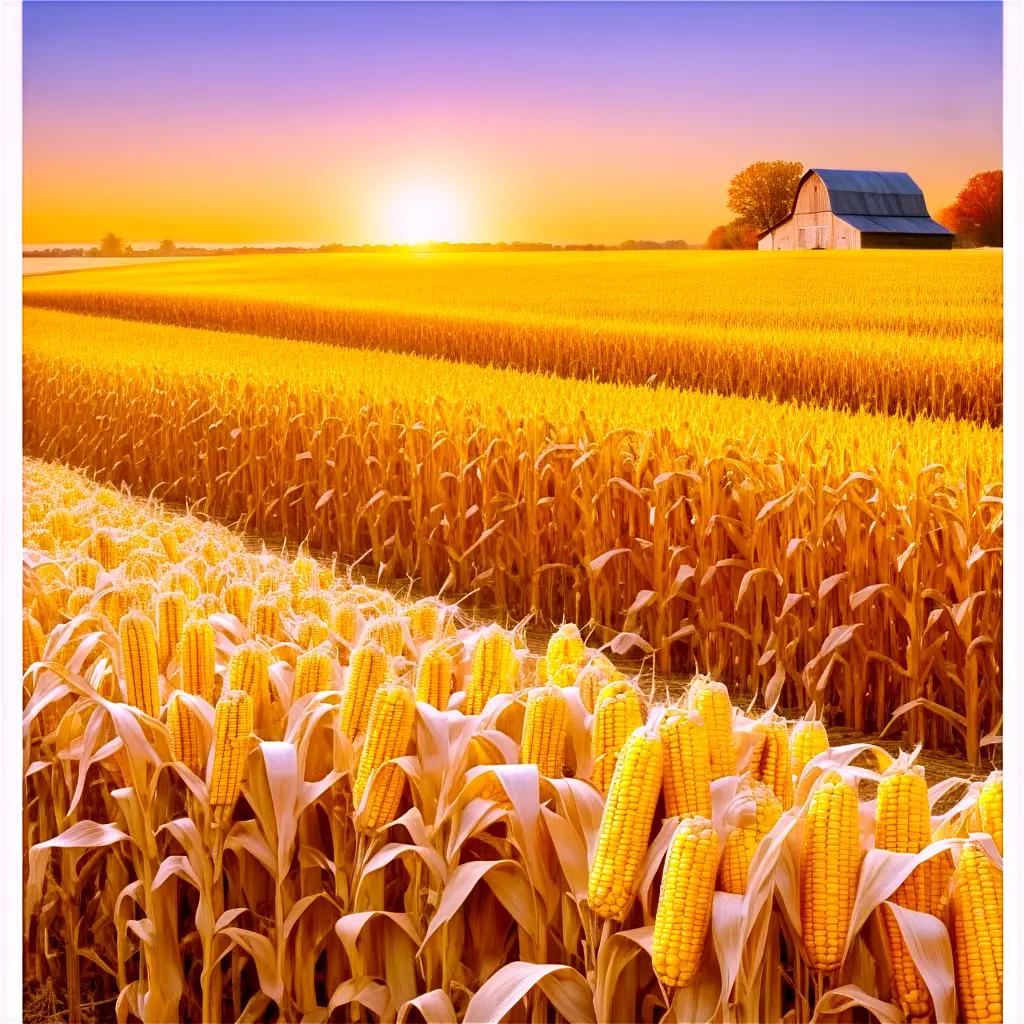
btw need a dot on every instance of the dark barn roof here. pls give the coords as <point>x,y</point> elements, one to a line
<point>873,201</point>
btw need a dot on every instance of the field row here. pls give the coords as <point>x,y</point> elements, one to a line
<point>889,332</point>
<point>257,791</point>
<point>851,560</point>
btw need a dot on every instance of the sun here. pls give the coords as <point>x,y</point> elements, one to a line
<point>425,212</point>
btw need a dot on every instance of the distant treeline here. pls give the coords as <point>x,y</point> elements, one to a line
<point>169,248</point>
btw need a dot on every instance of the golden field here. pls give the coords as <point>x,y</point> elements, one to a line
<point>907,332</point>
<point>802,555</point>
<point>255,790</point>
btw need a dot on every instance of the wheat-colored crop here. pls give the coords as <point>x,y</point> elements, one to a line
<point>886,331</point>
<point>845,558</point>
<point>239,868</point>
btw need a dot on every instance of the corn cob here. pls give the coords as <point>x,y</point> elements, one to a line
<point>238,599</point>
<point>171,612</point>
<point>564,676</point>
<point>249,672</point>
<point>183,580</point>
<point>617,715</point>
<point>312,673</point>
<point>311,633</point>
<point>184,732</point>
<point>903,825</point>
<point>770,761</point>
<point>711,701</point>
<point>196,659</point>
<point>112,603</point>
<point>85,572</point>
<point>366,671</point>
<point>625,826</point>
<point>304,574</point>
<point>565,647</point>
<point>32,641</point>
<point>684,905</point>
<point>78,600</point>
<point>977,933</point>
<point>265,620</point>
<point>544,731</point>
<point>761,811</point>
<point>424,620</point>
<point>103,546</point>
<point>494,669</point>
<point>807,740</point>
<point>684,739</point>
<point>990,808</point>
<point>829,870</point>
<point>314,604</point>
<point>388,734</point>
<point>434,675</point>
<point>140,664</point>
<point>232,728</point>
<point>387,631</point>
<point>345,621</point>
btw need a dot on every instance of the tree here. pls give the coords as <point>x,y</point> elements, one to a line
<point>762,194</point>
<point>977,214</point>
<point>738,234</point>
<point>111,245</point>
<point>166,247</point>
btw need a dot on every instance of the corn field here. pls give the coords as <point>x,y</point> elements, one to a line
<point>850,561</point>
<point>853,330</point>
<point>256,789</point>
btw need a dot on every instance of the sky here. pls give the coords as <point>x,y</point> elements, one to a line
<point>558,122</point>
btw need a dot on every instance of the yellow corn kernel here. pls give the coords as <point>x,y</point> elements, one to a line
<point>140,663</point>
<point>249,672</point>
<point>388,734</point>
<point>769,761</point>
<point>687,748</point>
<point>265,620</point>
<point>829,871</point>
<point>684,905</point>
<point>617,715</point>
<point>311,633</point>
<point>238,599</point>
<point>434,675</point>
<point>388,632</point>
<point>313,673</point>
<point>977,933</point>
<point>711,701</point>
<point>78,600</point>
<point>196,659</point>
<point>232,728</point>
<point>495,669</point>
<point>903,825</point>
<point>990,808</point>
<point>103,545</point>
<point>314,604</point>
<point>171,613</point>
<point>565,647</point>
<point>112,603</point>
<point>759,809</point>
<point>425,618</point>
<point>85,572</point>
<point>807,740</point>
<point>625,828</point>
<point>304,575</point>
<point>366,671</point>
<point>184,581</point>
<point>345,621</point>
<point>184,733</point>
<point>543,741</point>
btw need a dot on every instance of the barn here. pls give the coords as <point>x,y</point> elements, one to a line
<point>856,210</point>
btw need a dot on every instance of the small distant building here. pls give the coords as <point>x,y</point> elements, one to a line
<point>856,210</point>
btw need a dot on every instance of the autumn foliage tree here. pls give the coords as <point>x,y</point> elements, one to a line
<point>738,234</point>
<point>976,217</point>
<point>762,193</point>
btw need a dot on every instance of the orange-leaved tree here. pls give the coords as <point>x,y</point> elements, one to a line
<point>976,216</point>
<point>762,193</point>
